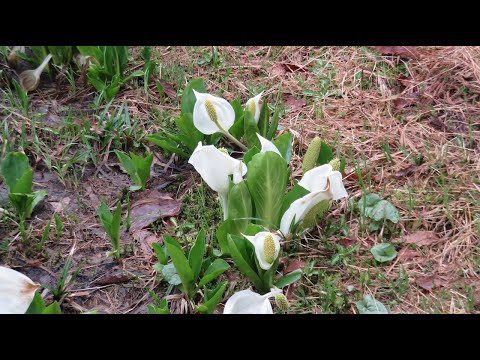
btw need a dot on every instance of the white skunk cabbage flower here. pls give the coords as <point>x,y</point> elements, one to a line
<point>253,107</point>
<point>323,184</point>
<point>212,114</point>
<point>16,291</point>
<point>267,247</point>
<point>267,145</point>
<point>215,166</point>
<point>249,302</point>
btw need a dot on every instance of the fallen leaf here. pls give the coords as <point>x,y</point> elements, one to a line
<point>278,70</point>
<point>405,101</point>
<point>347,242</point>
<point>95,201</point>
<point>428,282</point>
<point>292,67</point>
<point>421,238</point>
<point>294,265</point>
<point>294,104</point>
<point>146,239</point>
<point>291,290</point>
<point>151,206</point>
<point>406,254</point>
<point>168,89</point>
<point>406,172</point>
<point>111,279</point>
<point>61,205</point>
<point>409,52</point>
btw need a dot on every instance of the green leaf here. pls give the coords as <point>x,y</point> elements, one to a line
<point>53,308</point>
<point>127,164</point>
<point>17,173</point>
<point>368,305</point>
<point>170,274</point>
<point>188,97</point>
<point>263,120</point>
<point>142,168</point>
<point>225,228</point>
<point>218,267</point>
<point>284,144</point>
<point>195,257</point>
<point>383,210</point>
<point>215,296</point>
<point>167,144</point>
<point>274,125</point>
<point>288,279</point>
<point>160,252</point>
<point>181,264</point>
<point>250,154</point>
<point>190,136</point>
<point>367,201</point>
<point>237,129</point>
<point>34,200</point>
<point>251,130</point>
<point>158,267</point>
<point>267,177</point>
<point>384,252</point>
<point>239,207</point>
<point>326,154</point>
<point>254,229</point>
<point>37,305</point>
<point>115,227</point>
<point>241,260</point>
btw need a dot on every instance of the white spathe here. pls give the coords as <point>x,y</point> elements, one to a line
<point>258,242</point>
<point>16,291</point>
<point>267,145</point>
<point>250,302</point>
<point>252,104</point>
<point>215,167</point>
<point>223,114</point>
<point>323,184</point>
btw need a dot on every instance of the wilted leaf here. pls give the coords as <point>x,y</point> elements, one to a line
<point>406,254</point>
<point>428,282</point>
<point>278,70</point>
<point>405,101</point>
<point>368,305</point>
<point>406,172</point>
<point>170,274</point>
<point>151,206</point>
<point>347,242</point>
<point>294,104</point>
<point>168,89</point>
<point>384,252</point>
<point>117,278</point>
<point>409,52</point>
<point>295,265</point>
<point>146,239</point>
<point>61,205</point>
<point>421,238</point>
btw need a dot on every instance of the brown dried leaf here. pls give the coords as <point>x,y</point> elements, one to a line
<point>291,291</point>
<point>278,70</point>
<point>294,104</point>
<point>146,239</point>
<point>168,89</point>
<point>61,205</point>
<point>151,206</point>
<point>409,52</point>
<point>294,265</point>
<point>111,279</point>
<point>406,254</point>
<point>347,242</point>
<point>405,101</point>
<point>421,238</point>
<point>428,282</point>
<point>406,172</point>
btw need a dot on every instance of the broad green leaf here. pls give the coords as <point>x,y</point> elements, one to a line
<point>115,227</point>
<point>158,267</point>
<point>105,216</point>
<point>37,305</point>
<point>53,308</point>
<point>188,97</point>
<point>253,229</point>
<point>250,154</point>
<point>166,144</point>
<point>384,252</point>
<point>284,144</point>
<point>239,207</point>
<point>218,267</point>
<point>367,201</point>
<point>251,130</point>
<point>264,119</point>
<point>195,257</point>
<point>288,279</point>
<point>170,274</point>
<point>35,199</point>
<point>189,133</point>
<point>17,173</point>
<point>142,168</point>
<point>181,264</point>
<point>215,296</point>
<point>237,129</point>
<point>225,228</point>
<point>383,210</point>
<point>160,252</point>
<point>242,262</point>
<point>272,129</point>
<point>127,164</point>
<point>267,177</point>
<point>326,154</point>
<point>368,305</point>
